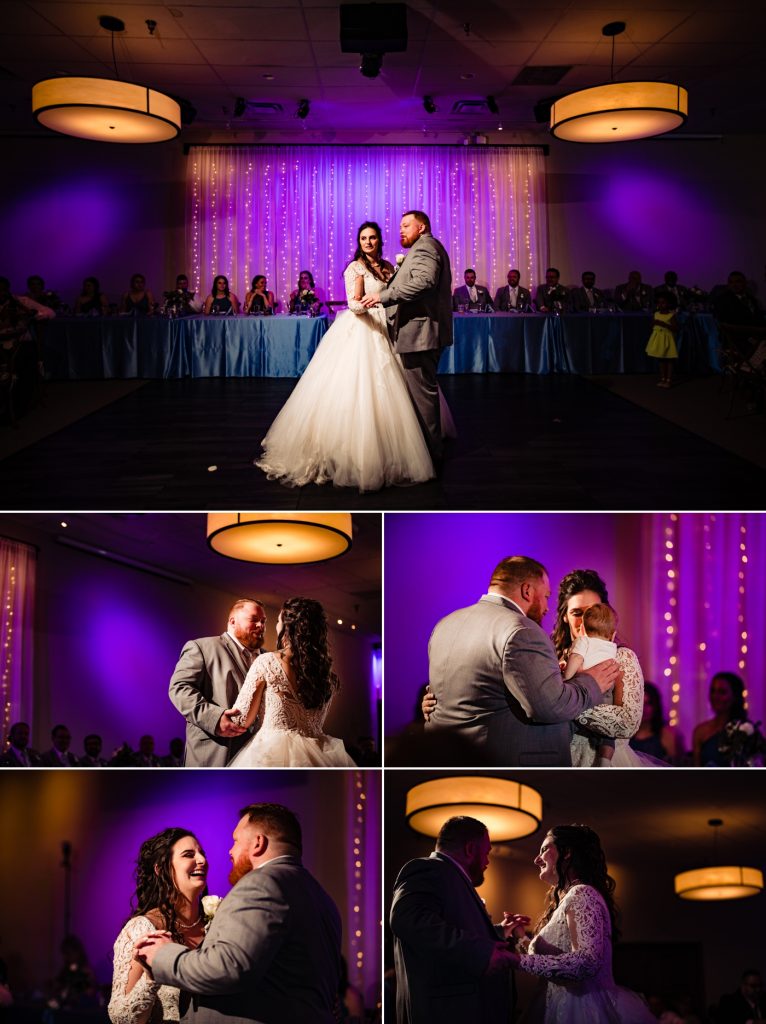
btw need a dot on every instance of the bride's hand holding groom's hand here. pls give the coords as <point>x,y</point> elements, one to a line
<point>373,299</point>
<point>227,727</point>
<point>144,949</point>
<point>514,925</point>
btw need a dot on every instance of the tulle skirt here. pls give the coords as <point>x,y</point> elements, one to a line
<point>283,748</point>
<point>350,419</point>
<point>569,1004</point>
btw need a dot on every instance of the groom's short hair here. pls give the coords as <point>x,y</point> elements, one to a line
<point>241,604</point>
<point>456,832</point>
<point>278,821</point>
<point>514,571</point>
<point>419,216</point>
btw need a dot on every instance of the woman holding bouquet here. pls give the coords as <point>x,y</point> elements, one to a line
<point>305,295</point>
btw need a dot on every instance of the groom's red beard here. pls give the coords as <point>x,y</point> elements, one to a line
<point>239,869</point>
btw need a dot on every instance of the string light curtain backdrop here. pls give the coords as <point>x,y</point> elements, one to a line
<point>277,210</point>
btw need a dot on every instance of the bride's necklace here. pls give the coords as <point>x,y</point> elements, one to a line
<point>186,927</point>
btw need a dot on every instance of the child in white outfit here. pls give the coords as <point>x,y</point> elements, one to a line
<point>594,645</point>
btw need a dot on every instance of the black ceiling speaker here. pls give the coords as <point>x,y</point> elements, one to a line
<point>373,28</point>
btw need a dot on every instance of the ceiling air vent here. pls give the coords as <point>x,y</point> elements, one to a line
<point>542,74</point>
<point>469,107</point>
<point>264,108</point>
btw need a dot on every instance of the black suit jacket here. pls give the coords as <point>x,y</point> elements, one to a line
<point>443,941</point>
<point>580,299</point>
<point>735,1009</point>
<point>546,298</point>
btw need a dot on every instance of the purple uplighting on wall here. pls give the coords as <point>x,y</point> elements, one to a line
<point>444,562</point>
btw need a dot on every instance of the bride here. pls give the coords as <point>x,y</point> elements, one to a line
<point>572,947</point>
<point>295,684</point>
<point>350,419</point>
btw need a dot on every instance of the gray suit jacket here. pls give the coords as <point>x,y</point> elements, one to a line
<point>206,681</point>
<point>419,297</point>
<point>443,940</point>
<point>499,688</point>
<point>271,955</point>
<point>461,296</point>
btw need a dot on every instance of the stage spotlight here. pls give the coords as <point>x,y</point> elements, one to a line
<point>428,105</point>
<point>371,64</point>
<point>239,106</point>
<point>303,109</point>
<point>492,106</point>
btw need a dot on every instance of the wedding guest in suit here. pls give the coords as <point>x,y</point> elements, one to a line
<point>587,297</point>
<point>471,294</point>
<point>679,295</point>
<point>59,756</point>
<point>175,755</point>
<point>208,678</point>
<point>221,299</point>
<point>418,301</point>
<point>497,680</point>
<point>451,966</point>
<point>92,758</point>
<point>259,298</point>
<point>37,291</point>
<point>272,951</point>
<point>138,300</point>
<point>745,1006</point>
<point>552,295</point>
<point>19,754</point>
<point>634,296</point>
<point>735,305</point>
<point>91,301</point>
<point>512,295</point>
<point>145,757</point>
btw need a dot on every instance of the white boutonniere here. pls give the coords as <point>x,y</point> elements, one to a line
<point>399,259</point>
<point>209,906</point>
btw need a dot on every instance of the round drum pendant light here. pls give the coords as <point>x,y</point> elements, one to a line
<point>279,538</point>
<point>510,810</point>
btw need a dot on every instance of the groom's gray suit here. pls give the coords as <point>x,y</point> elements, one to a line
<point>271,955</point>
<point>419,301</point>
<point>499,687</point>
<point>206,681</point>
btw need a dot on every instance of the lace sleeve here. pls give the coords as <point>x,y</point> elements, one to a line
<point>134,1007</point>
<point>612,720</point>
<point>591,936</point>
<point>249,698</point>
<point>350,274</point>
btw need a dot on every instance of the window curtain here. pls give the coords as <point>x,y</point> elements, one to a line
<point>17,583</point>
<point>277,210</point>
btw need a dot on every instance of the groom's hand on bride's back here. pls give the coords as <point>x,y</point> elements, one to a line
<point>606,674</point>
<point>227,727</point>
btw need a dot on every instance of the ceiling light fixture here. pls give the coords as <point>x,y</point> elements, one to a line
<point>279,538</point>
<point>492,106</point>
<point>509,809</point>
<point>727,882</point>
<point>428,105</point>
<point>619,111</point>
<point>240,104</point>
<point>303,109</point>
<point>105,109</point>
<point>371,64</point>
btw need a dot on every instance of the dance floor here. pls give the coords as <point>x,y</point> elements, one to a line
<point>526,442</point>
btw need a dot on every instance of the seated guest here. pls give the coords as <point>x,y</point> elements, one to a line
<point>20,349</point>
<point>145,756</point>
<point>471,294</point>
<point>180,300</point>
<point>588,296</point>
<point>19,754</point>
<point>654,735</point>
<point>23,305</point>
<point>259,297</point>
<point>37,291</point>
<point>139,300</point>
<point>735,305</point>
<point>221,300</point>
<point>175,755</point>
<point>512,295</point>
<point>59,756</point>
<point>745,1006</point>
<point>727,702</point>
<point>92,758</point>
<point>633,296</point>
<point>306,295</point>
<point>91,301</point>
<point>552,295</point>
<point>680,296</point>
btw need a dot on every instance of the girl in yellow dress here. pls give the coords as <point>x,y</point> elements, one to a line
<point>662,340</point>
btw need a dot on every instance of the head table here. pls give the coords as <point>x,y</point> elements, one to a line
<point>85,348</point>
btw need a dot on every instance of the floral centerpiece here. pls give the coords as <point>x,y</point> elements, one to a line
<point>743,744</point>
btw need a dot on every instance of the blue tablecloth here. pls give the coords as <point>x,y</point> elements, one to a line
<point>151,347</point>
<point>588,343</point>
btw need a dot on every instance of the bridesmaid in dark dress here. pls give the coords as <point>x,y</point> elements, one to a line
<point>727,702</point>
<point>654,735</point>
<point>91,301</point>
<point>221,300</point>
<point>139,300</point>
<point>259,298</point>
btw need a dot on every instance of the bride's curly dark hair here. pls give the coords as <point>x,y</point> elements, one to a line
<point>580,860</point>
<point>304,628</point>
<point>574,583</point>
<point>156,893</point>
<point>362,256</point>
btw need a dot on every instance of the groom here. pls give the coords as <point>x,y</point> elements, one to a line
<point>273,949</point>
<point>420,318</point>
<point>497,682</point>
<point>207,679</point>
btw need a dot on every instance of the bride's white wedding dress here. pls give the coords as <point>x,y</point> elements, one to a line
<point>618,721</point>
<point>350,419</point>
<point>147,1000</point>
<point>581,989</point>
<point>290,734</point>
